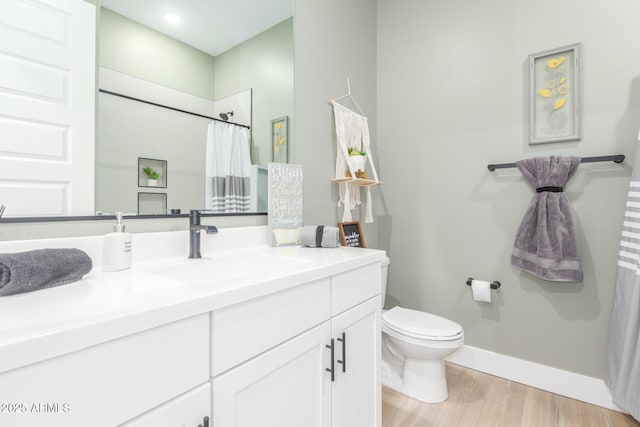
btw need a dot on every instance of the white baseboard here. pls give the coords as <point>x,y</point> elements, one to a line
<point>565,383</point>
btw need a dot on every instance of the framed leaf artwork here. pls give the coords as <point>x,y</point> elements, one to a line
<point>280,139</point>
<point>554,95</point>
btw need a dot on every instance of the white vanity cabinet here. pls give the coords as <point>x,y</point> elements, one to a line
<point>293,377</point>
<point>113,382</point>
<point>294,346</point>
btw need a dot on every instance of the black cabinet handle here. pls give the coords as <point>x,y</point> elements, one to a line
<point>206,422</point>
<point>343,362</point>
<point>332,369</point>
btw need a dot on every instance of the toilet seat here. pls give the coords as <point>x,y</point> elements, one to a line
<point>421,325</point>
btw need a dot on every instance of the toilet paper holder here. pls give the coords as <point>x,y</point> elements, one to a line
<point>494,285</point>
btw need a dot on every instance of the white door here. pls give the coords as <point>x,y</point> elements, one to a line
<point>356,397</point>
<point>189,409</point>
<point>47,107</point>
<point>284,387</point>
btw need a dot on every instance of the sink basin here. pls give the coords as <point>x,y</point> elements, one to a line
<point>223,267</point>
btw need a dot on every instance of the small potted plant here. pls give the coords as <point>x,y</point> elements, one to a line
<point>357,162</point>
<point>152,176</point>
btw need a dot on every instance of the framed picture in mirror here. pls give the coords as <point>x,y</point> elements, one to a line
<point>280,140</point>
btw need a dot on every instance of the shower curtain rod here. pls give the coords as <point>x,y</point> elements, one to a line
<point>617,158</point>
<point>169,108</point>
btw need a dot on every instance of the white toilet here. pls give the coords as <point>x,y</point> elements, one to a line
<point>414,346</point>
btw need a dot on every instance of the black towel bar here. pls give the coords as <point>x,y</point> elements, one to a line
<point>494,285</point>
<point>617,158</point>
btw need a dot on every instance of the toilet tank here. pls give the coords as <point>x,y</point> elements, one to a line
<point>385,271</point>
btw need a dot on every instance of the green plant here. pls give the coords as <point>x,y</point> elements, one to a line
<point>150,172</point>
<point>354,152</point>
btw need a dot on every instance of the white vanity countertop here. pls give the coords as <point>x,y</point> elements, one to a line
<point>103,306</point>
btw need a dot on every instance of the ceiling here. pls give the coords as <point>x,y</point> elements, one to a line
<point>212,26</point>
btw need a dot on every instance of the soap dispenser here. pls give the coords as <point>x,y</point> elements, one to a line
<point>116,249</point>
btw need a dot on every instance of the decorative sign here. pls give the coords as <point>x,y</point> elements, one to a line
<point>351,234</point>
<point>285,203</point>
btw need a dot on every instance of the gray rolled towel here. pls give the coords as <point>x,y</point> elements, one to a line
<point>320,236</point>
<point>42,268</point>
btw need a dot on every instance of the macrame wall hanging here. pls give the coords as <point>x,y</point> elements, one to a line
<point>352,155</point>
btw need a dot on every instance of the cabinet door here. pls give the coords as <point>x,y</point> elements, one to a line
<point>356,397</point>
<point>284,387</point>
<point>188,410</point>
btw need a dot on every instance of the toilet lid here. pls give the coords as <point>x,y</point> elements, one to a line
<point>419,324</point>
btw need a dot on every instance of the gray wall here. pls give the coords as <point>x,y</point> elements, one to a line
<point>334,40</point>
<point>139,51</point>
<point>263,63</point>
<point>453,97</point>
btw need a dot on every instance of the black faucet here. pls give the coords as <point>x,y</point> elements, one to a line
<point>194,233</point>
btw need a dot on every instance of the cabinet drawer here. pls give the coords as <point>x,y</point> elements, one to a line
<point>108,384</point>
<point>247,329</point>
<point>186,410</point>
<point>353,287</point>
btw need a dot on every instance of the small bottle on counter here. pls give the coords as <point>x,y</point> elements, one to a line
<point>116,248</point>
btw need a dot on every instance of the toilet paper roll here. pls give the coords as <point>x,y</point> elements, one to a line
<point>481,290</point>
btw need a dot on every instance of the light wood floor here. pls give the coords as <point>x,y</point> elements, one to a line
<point>477,399</point>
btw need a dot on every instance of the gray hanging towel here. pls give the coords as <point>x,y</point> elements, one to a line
<point>545,244</point>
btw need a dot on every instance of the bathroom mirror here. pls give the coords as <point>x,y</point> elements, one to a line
<point>123,28</point>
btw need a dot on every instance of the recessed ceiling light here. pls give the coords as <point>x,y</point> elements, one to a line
<point>172,18</point>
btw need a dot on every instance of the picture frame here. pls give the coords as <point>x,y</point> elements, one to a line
<point>280,140</point>
<point>554,95</point>
<point>351,234</point>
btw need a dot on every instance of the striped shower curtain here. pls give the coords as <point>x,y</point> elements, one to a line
<point>228,168</point>
<point>622,368</point>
